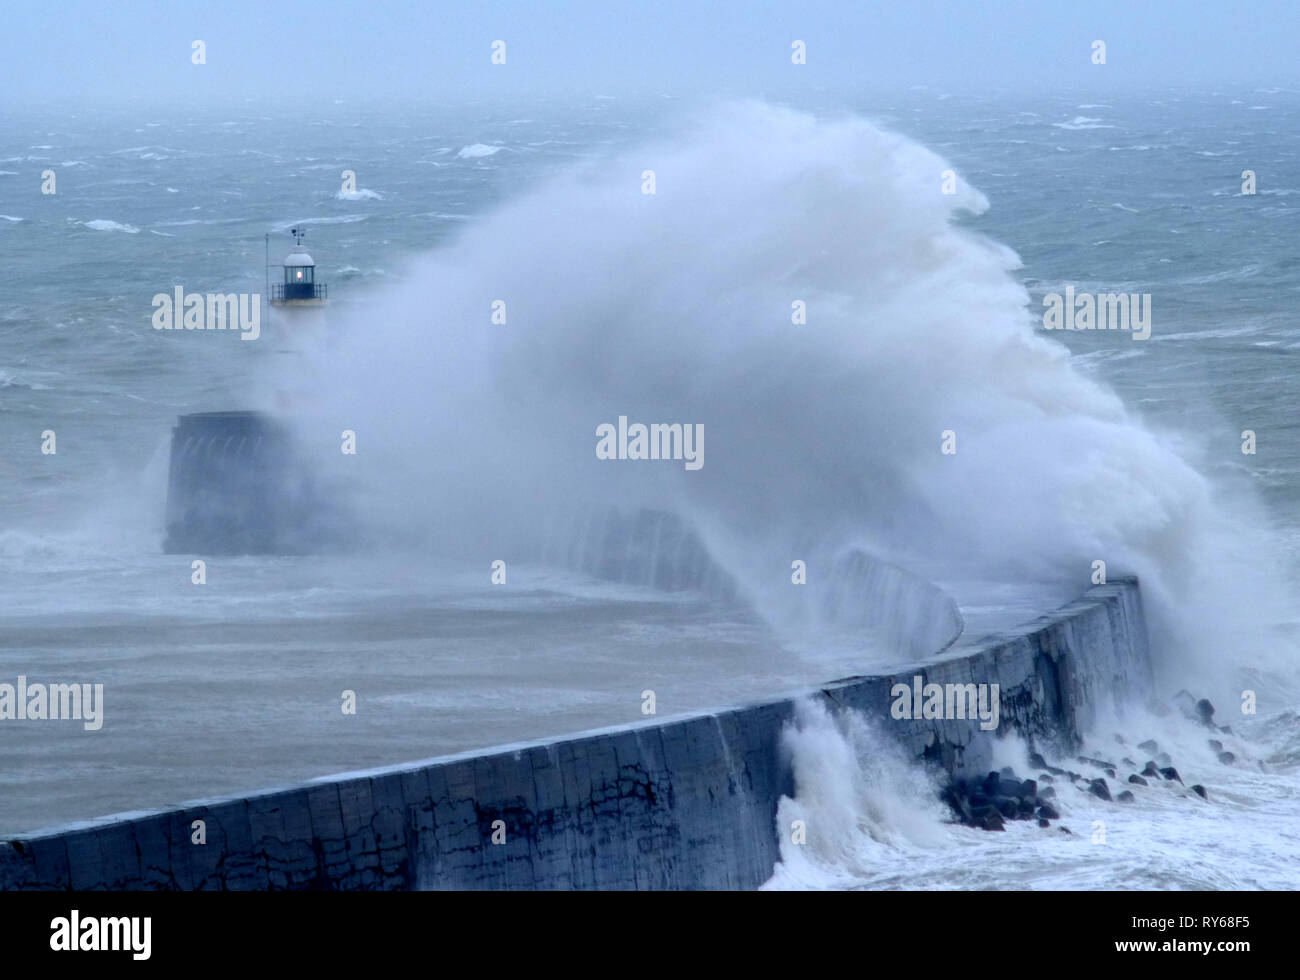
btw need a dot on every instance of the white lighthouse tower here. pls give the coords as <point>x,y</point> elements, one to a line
<point>247,482</point>
<point>298,323</point>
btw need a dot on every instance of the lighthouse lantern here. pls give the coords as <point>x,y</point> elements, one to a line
<point>300,287</point>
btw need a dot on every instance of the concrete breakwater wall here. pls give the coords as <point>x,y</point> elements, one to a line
<point>687,802</point>
<point>890,607</point>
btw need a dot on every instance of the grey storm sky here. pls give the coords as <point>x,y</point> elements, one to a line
<point>141,51</point>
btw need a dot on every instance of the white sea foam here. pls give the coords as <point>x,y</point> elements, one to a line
<point>872,822</point>
<point>1083,122</point>
<point>103,224</point>
<point>343,219</point>
<point>476,151</point>
<point>862,807</point>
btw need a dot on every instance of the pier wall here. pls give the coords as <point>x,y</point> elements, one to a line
<point>685,802</point>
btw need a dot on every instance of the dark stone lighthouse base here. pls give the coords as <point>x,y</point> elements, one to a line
<point>238,485</point>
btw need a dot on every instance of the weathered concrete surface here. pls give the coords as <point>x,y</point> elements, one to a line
<point>688,802</point>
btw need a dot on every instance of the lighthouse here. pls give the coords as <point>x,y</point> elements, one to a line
<point>241,482</point>
<point>299,288</point>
